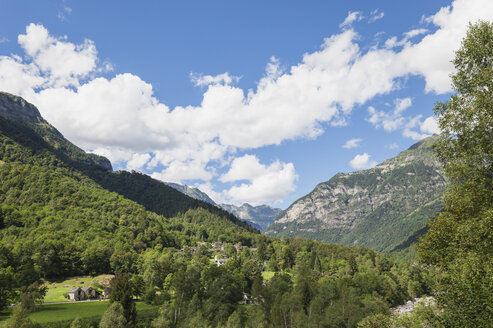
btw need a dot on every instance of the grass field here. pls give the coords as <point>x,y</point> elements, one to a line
<point>54,313</point>
<point>267,275</point>
<point>57,289</point>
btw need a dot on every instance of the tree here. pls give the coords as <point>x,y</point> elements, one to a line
<point>77,323</point>
<point>122,292</point>
<point>459,244</point>
<point>113,317</point>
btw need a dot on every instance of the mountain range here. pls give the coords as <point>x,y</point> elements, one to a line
<point>384,208</point>
<point>259,217</point>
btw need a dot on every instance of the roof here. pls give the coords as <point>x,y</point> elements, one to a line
<point>74,290</point>
<point>86,288</point>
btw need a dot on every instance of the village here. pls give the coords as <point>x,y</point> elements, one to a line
<point>103,290</point>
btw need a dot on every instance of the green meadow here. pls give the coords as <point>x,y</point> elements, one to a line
<point>62,314</point>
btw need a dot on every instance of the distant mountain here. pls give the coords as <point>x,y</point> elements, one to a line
<point>261,216</point>
<point>191,192</point>
<point>382,208</point>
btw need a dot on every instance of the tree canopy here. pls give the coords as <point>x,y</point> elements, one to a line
<point>459,244</point>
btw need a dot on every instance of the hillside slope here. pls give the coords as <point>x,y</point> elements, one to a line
<point>54,211</point>
<point>378,208</point>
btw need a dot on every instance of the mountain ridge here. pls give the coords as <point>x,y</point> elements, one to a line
<point>259,217</point>
<point>21,122</point>
<point>378,208</point>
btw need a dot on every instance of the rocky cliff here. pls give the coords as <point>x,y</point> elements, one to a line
<point>379,208</point>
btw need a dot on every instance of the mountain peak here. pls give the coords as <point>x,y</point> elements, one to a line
<point>23,118</point>
<point>17,107</point>
<point>378,208</point>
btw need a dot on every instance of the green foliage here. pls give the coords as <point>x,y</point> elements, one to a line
<point>113,317</point>
<point>77,323</point>
<point>459,243</point>
<point>122,292</point>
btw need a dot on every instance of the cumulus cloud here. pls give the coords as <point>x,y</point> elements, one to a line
<point>430,126</point>
<point>396,120</point>
<point>121,113</point>
<point>259,183</point>
<point>362,161</point>
<point>390,121</point>
<point>352,143</point>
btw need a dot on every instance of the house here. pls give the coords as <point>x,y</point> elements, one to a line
<point>76,294</point>
<point>89,291</point>
<point>219,260</point>
<point>81,293</point>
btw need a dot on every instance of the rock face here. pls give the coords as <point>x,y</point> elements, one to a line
<point>379,208</point>
<point>259,216</point>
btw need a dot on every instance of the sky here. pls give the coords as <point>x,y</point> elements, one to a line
<point>250,101</point>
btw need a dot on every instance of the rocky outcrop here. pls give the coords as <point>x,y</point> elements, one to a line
<point>378,208</point>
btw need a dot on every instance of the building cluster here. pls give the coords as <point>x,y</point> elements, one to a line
<point>218,248</point>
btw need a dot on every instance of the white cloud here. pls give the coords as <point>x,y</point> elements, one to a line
<point>375,15</point>
<point>395,120</point>
<point>413,33</point>
<point>121,113</point>
<point>392,146</point>
<point>259,183</point>
<point>138,161</point>
<point>390,121</point>
<point>351,17</point>
<point>205,80</point>
<point>362,161</point>
<point>62,63</point>
<point>3,39</point>
<point>430,126</point>
<point>178,171</point>
<point>352,143</point>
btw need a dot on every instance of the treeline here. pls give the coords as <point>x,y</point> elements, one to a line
<point>314,285</point>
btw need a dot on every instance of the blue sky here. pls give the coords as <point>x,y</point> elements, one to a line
<point>254,101</point>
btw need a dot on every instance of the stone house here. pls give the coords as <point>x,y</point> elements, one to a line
<point>81,293</point>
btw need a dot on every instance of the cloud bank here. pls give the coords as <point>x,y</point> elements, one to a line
<point>120,118</point>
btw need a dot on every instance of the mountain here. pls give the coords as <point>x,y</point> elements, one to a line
<point>381,208</point>
<point>258,216</point>
<point>191,192</point>
<point>70,214</point>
